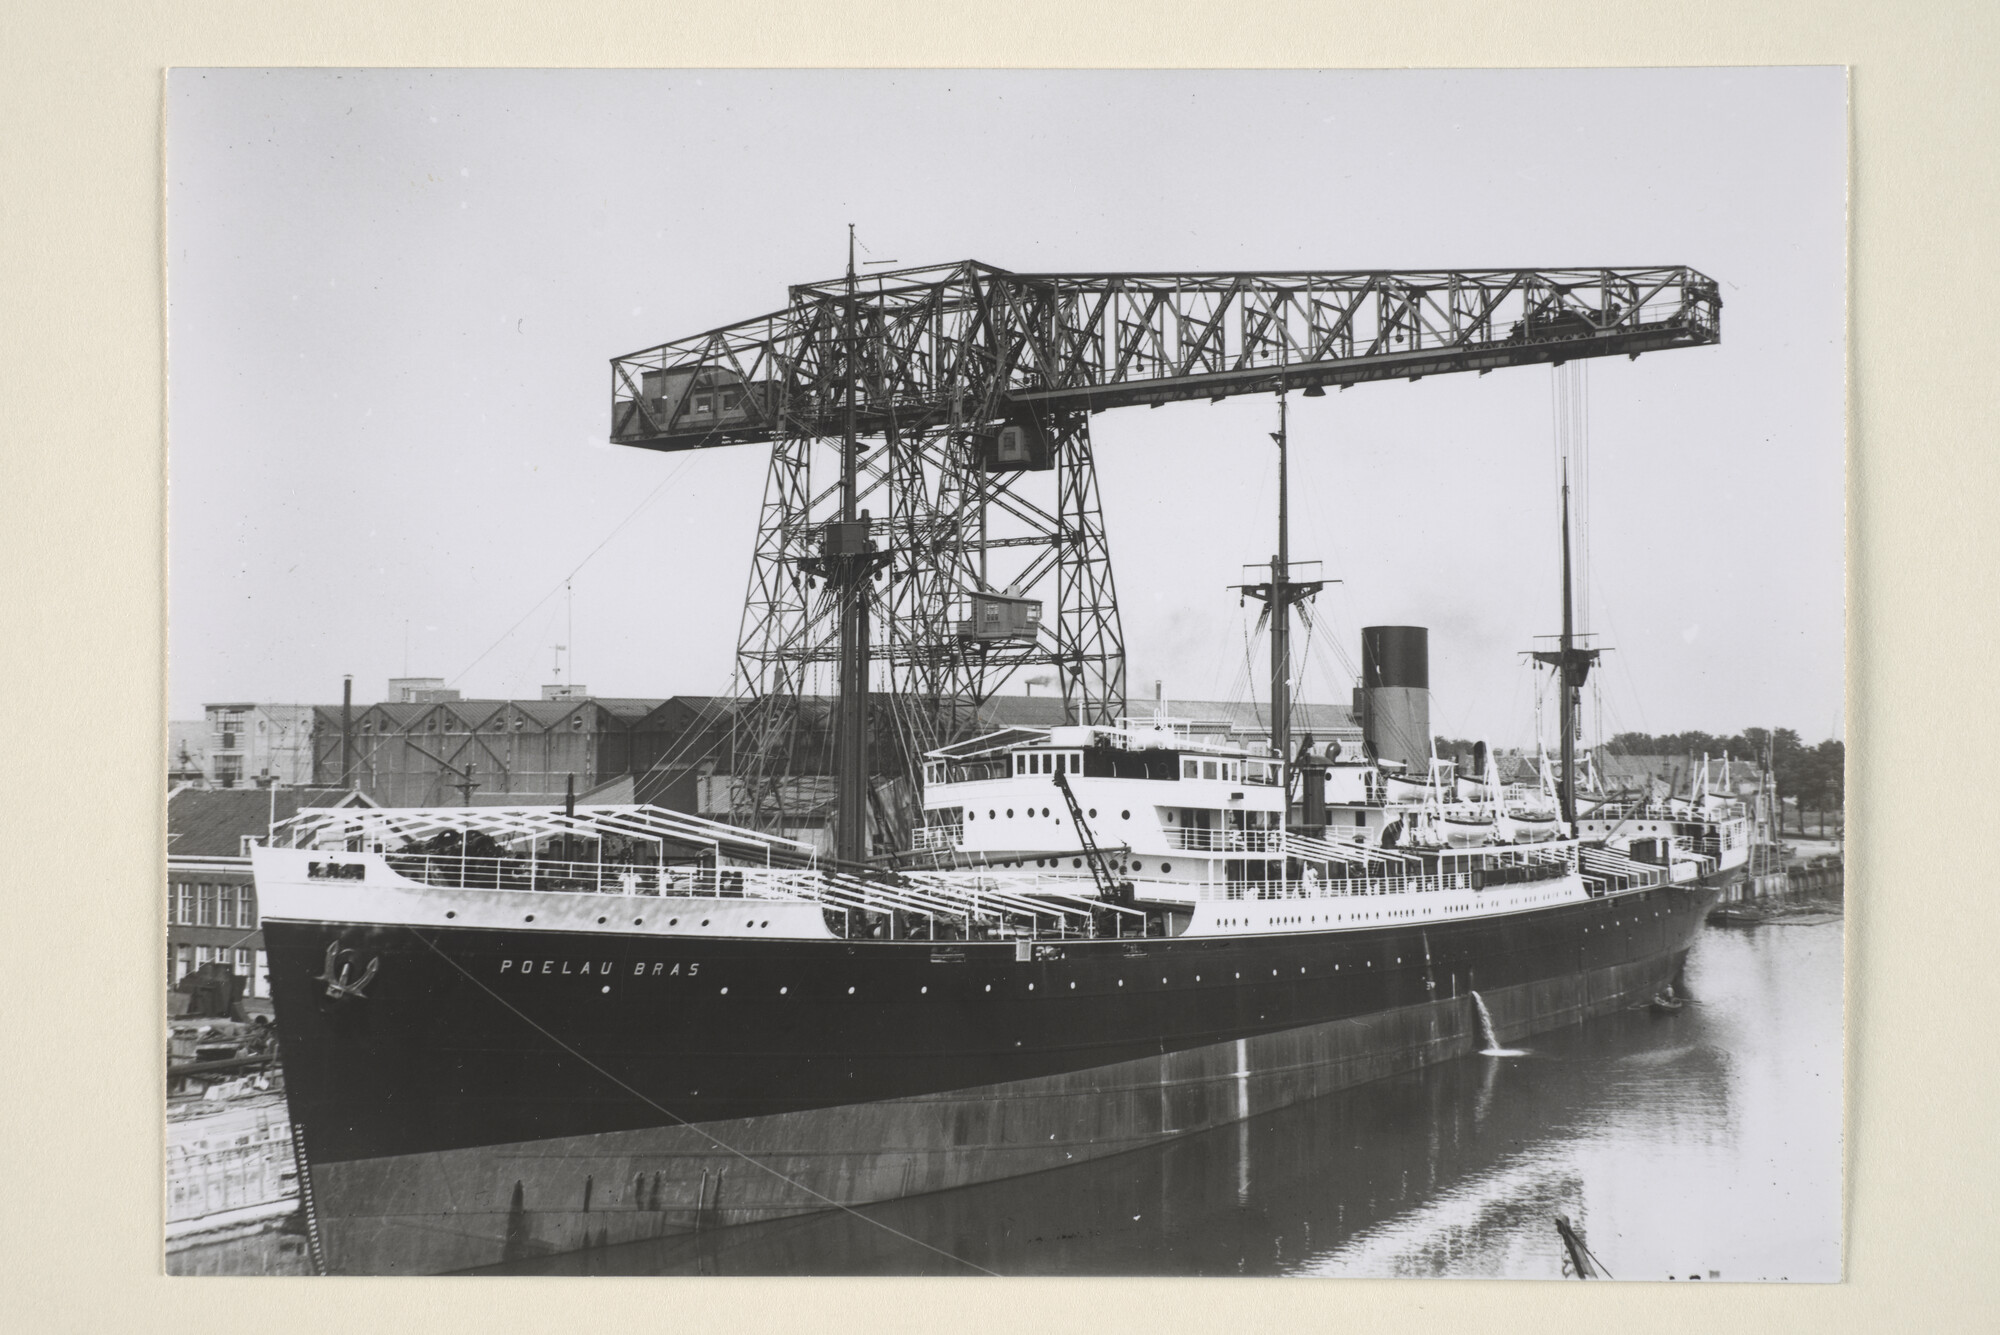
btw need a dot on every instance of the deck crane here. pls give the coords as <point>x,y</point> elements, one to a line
<point>954,402</point>
<point>1109,887</point>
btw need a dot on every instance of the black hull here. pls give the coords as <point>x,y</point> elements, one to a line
<point>456,1086</point>
<point>453,1045</point>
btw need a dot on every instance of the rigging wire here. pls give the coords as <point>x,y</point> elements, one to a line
<point>564,581</point>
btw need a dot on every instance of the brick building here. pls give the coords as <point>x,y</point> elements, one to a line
<point>211,901</point>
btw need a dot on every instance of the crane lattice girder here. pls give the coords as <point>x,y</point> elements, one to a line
<point>970,345</point>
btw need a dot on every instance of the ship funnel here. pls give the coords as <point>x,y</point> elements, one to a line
<point>1396,695</point>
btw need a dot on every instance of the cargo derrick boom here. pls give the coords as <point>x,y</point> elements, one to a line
<point>947,391</point>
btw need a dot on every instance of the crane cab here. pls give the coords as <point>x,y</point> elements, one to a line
<point>1002,618</point>
<point>1017,445</point>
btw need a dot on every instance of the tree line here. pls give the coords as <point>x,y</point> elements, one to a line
<point>1813,777</point>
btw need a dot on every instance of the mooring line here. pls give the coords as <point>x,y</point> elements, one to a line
<point>530,1021</point>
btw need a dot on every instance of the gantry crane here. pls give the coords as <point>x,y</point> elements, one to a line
<point>954,403</point>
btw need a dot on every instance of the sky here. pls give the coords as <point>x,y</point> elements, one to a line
<point>393,297</point>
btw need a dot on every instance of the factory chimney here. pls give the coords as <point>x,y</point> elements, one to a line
<point>347,731</point>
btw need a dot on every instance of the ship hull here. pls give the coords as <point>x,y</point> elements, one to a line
<point>459,1114</point>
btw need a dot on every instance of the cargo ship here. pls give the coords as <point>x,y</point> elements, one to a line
<point>511,1032</point>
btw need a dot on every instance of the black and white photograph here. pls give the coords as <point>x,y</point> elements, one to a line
<point>1006,673</point>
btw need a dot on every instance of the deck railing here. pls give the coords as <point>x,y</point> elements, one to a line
<point>937,838</point>
<point>1189,839</point>
<point>603,878</point>
<point>1718,811</point>
<point>1352,886</point>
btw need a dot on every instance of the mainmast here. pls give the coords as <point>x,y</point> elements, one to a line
<point>1572,668</point>
<point>1281,614</point>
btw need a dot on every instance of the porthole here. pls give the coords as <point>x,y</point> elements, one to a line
<point>1031,987</point>
<point>605,988</point>
<point>923,989</point>
<point>451,913</point>
<point>1093,813</point>
<point>1076,862</point>
<point>990,816</point>
<point>531,918</point>
<point>783,990</point>
<point>765,923</point>
<point>725,991</point>
<point>673,922</point>
<point>1121,982</point>
<point>751,923</point>
<point>704,922</point>
<point>1045,811</point>
<point>972,815</point>
<point>989,987</point>
<point>1166,866</point>
<point>600,920</point>
<point>1124,815</point>
<point>850,991</point>
<point>1010,813</point>
<point>1072,987</point>
<point>1138,866</point>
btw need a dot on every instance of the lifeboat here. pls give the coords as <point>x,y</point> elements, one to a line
<point>1531,826</point>
<point>1465,828</point>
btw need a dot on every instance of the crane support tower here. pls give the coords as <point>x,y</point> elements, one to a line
<point>954,401</point>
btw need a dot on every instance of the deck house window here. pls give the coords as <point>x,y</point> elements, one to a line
<point>704,403</point>
<point>1208,769</point>
<point>1190,769</point>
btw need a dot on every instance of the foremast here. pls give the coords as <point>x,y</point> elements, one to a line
<point>1279,594</point>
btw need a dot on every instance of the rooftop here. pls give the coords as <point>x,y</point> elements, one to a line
<point>213,822</point>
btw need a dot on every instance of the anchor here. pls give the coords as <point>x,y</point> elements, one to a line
<point>339,974</point>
